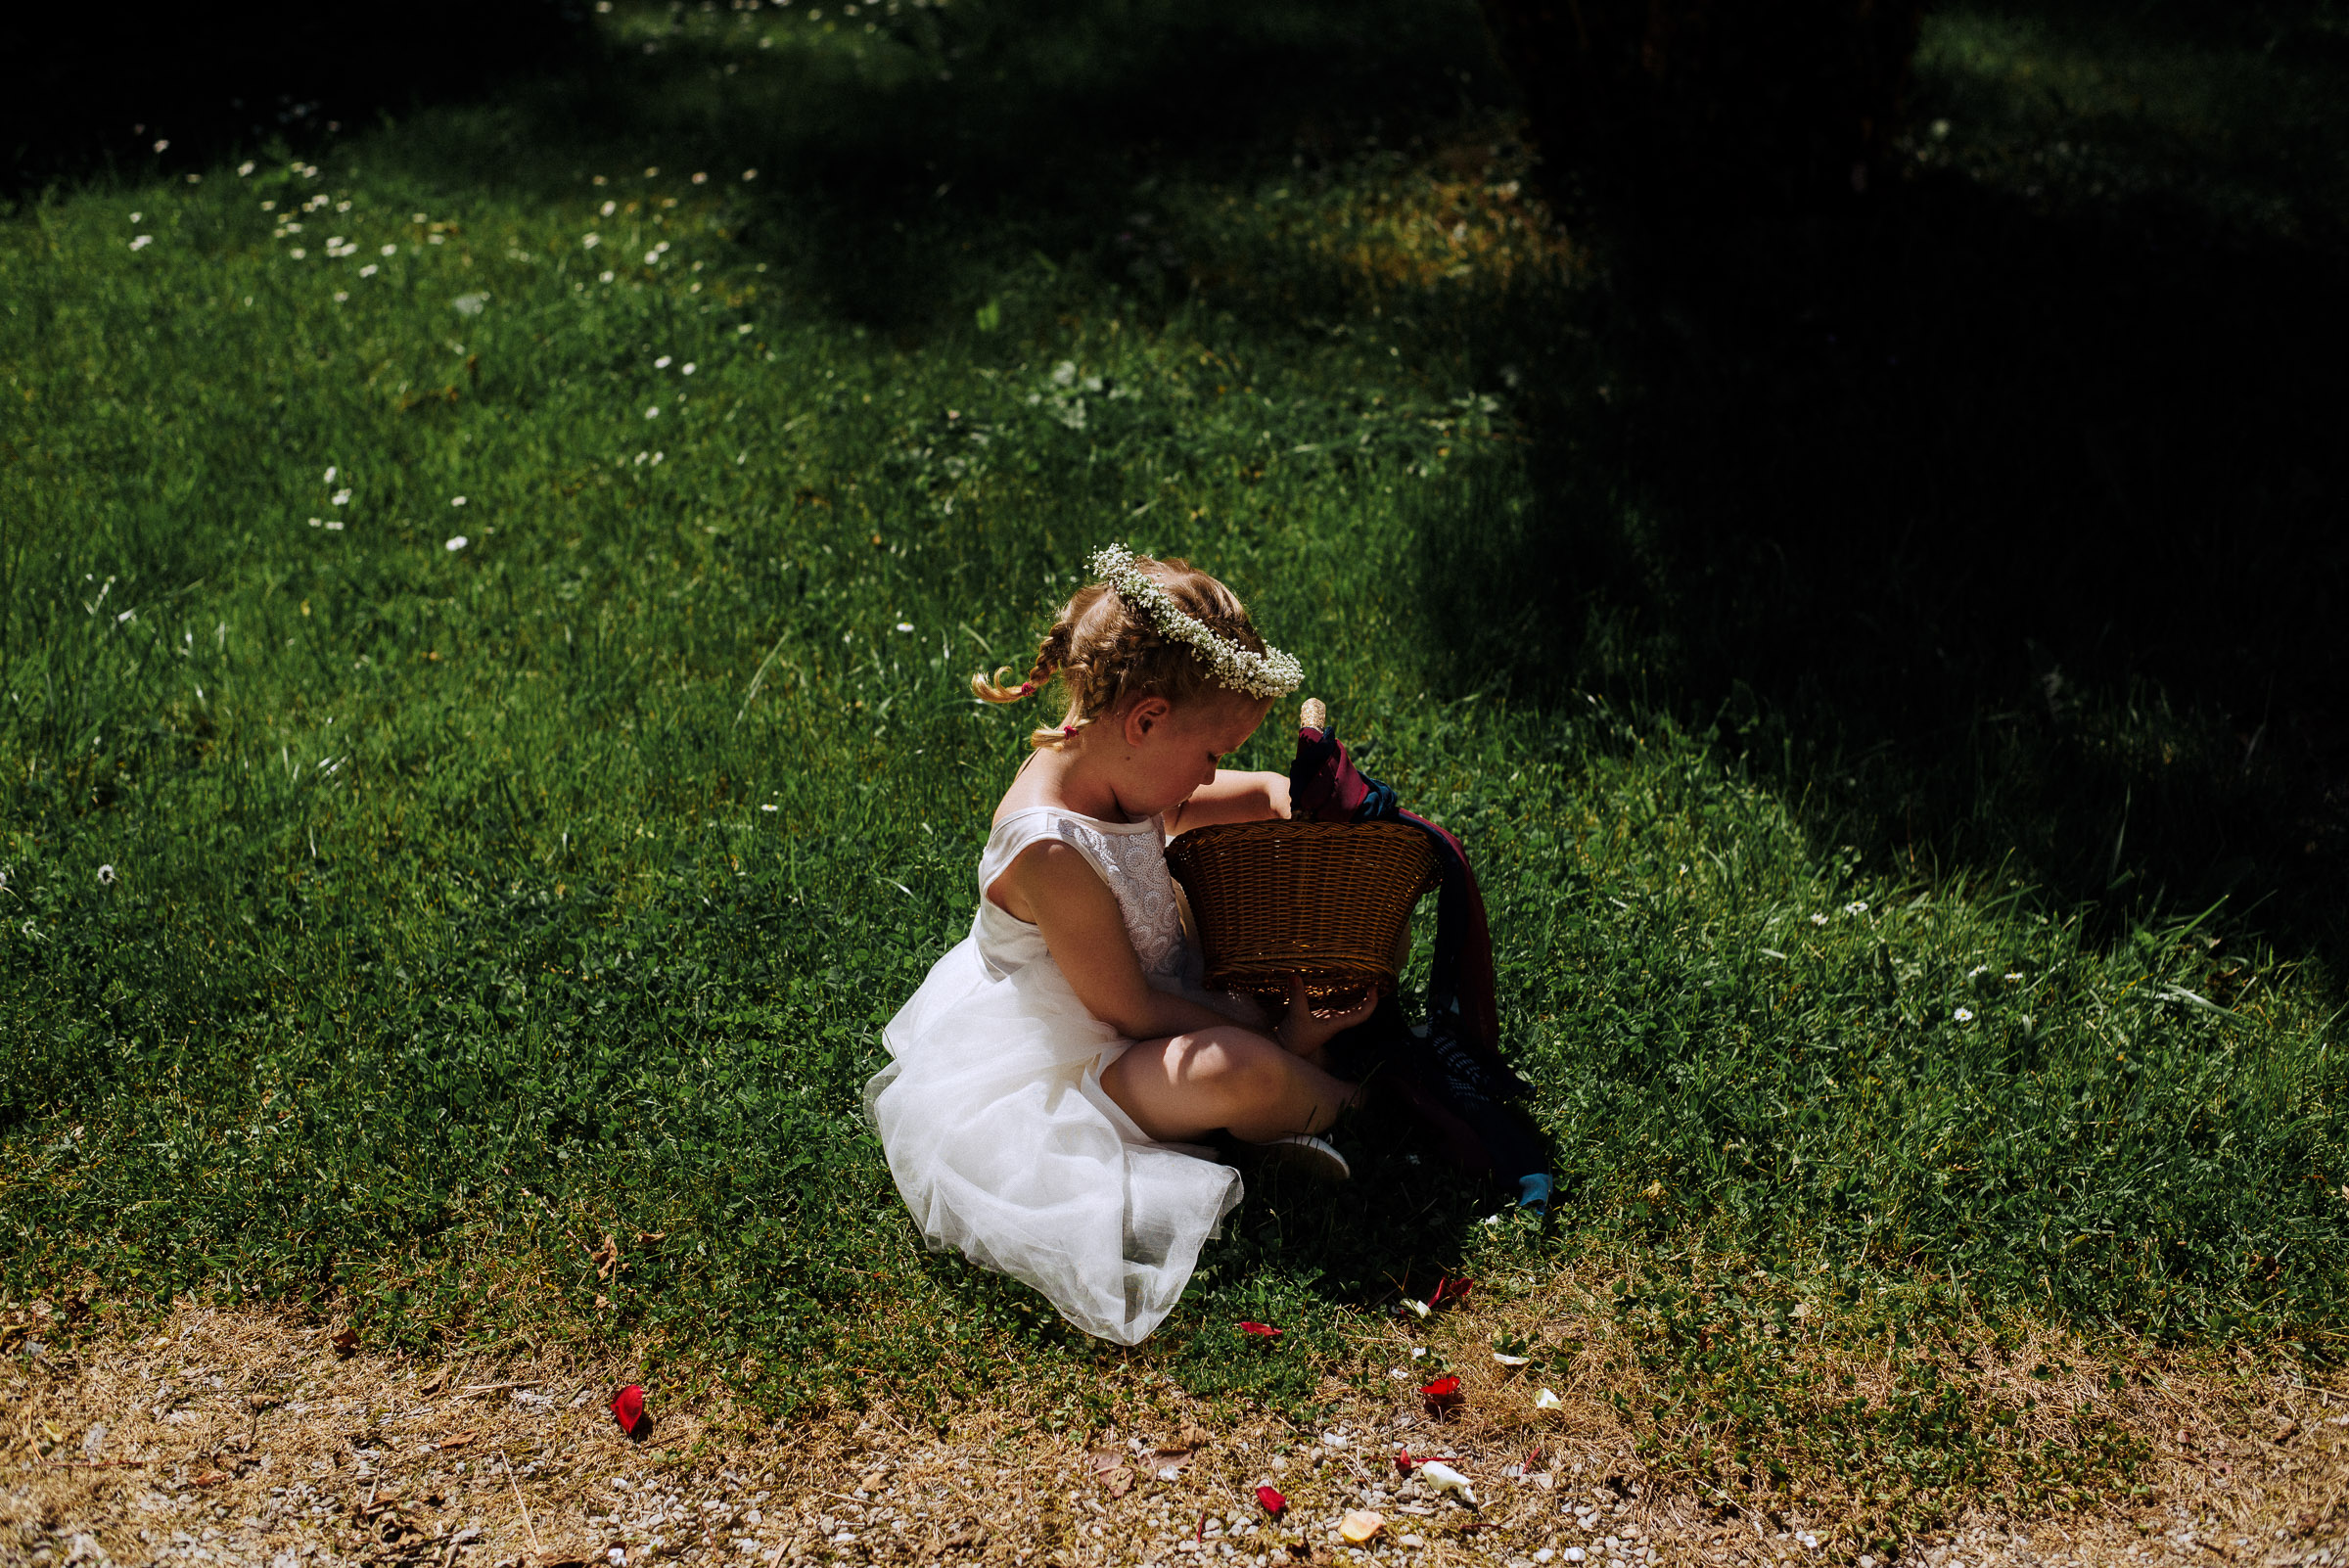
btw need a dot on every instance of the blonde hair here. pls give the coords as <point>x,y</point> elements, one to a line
<point>1106,652</point>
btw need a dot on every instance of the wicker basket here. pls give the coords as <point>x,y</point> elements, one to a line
<point>1326,901</point>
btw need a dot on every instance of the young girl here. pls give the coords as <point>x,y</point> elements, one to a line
<point>1050,1079</point>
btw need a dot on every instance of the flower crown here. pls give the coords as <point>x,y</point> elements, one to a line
<point>1266,675</point>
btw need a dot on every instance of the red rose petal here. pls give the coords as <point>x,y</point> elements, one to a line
<point>1450,1292</point>
<point>1272,1501</point>
<point>628,1409</point>
<point>1442,1391</point>
<point>1404,1461</point>
<point>1261,1330</point>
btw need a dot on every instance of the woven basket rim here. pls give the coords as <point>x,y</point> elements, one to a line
<point>1394,865</point>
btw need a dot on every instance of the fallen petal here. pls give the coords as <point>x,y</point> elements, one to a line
<point>1419,1308</point>
<point>1512,1360</point>
<point>1360,1525</point>
<point>1261,1330</point>
<point>628,1409</point>
<point>1443,1478</point>
<point>1546,1400</point>
<point>1442,1391</point>
<point>1272,1501</point>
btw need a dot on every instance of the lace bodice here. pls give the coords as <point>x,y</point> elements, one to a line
<point>1130,856</point>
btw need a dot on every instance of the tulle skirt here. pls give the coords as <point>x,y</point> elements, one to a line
<point>1007,1149</point>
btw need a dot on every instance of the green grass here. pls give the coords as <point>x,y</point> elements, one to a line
<point>389,922</point>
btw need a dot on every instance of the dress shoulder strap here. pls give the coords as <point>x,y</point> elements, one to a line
<point>1033,824</point>
<point>1017,831</point>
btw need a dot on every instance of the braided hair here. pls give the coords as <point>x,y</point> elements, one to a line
<point>1107,653</point>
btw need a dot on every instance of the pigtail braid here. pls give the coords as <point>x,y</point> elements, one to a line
<point>1050,655</point>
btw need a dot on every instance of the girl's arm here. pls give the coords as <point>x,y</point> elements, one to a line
<point>1055,889</point>
<point>1233,796</point>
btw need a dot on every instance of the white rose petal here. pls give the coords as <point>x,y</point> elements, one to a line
<point>456,543</point>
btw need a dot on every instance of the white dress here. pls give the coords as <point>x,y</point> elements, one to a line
<point>998,1132</point>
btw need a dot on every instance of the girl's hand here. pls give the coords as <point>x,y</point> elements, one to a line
<point>1304,1032</point>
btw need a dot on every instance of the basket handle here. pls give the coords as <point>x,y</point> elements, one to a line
<point>1315,714</point>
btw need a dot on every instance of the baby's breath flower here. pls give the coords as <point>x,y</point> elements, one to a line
<point>145,240</point>
<point>1270,673</point>
<point>106,876</point>
<point>342,496</point>
<point>456,542</point>
<point>456,500</point>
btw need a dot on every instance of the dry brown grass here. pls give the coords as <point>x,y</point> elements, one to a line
<point>261,1434</point>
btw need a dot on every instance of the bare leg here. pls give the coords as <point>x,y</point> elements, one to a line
<point>1186,1085</point>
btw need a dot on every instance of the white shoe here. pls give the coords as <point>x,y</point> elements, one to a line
<point>1305,1155</point>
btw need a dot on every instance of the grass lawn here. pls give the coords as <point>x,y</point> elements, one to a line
<point>486,603</point>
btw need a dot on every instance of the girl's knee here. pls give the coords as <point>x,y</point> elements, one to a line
<point>1234,1061</point>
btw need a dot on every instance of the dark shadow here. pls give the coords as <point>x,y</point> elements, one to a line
<point>148,86</point>
<point>1999,513</point>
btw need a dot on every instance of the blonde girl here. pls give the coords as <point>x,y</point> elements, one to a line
<point>1049,1081</point>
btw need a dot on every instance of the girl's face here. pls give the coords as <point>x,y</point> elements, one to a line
<point>1169,752</point>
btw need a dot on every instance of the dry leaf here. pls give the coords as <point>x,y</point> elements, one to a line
<point>435,1383</point>
<point>212,1478</point>
<point>1117,1483</point>
<point>348,1340</point>
<point>457,1440</point>
<point>1189,1437</point>
<point>606,1258</point>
